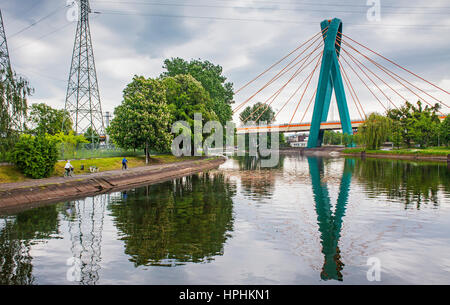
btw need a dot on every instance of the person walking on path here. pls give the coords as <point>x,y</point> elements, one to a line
<point>124,163</point>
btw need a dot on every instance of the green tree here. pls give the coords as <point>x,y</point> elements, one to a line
<point>212,80</point>
<point>186,97</point>
<point>71,138</point>
<point>283,142</point>
<point>46,119</point>
<point>331,137</point>
<point>257,113</point>
<point>444,132</point>
<point>327,137</point>
<point>416,124</point>
<point>68,143</point>
<point>374,131</point>
<point>142,120</point>
<point>260,113</point>
<point>91,135</point>
<point>347,139</point>
<point>396,136</point>
<point>35,156</point>
<point>14,91</point>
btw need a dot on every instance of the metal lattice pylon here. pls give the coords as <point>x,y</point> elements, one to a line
<point>83,97</point>
<point>14,116</point>
<point>4,54</point>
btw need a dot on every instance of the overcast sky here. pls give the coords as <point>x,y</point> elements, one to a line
<point>244,37</point>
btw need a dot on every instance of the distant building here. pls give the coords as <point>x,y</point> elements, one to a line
<point>298,144</point>
<point>297,140</point>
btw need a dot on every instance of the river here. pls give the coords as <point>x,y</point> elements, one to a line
<point>310,220</point>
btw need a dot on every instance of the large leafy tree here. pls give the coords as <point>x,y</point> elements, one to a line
<point>444,132</point>
<point>14,91</point>
<point>375,131</point>
<point>186,97</point>
<point>416,124</point>
<point>212,80</point>
<point>142,120</point>
<point>260,113</point>
<point>46,119</point>
<point>257,113</point>
<point>332,137</point>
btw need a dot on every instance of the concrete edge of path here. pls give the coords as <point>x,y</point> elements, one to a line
<point>23,195</point>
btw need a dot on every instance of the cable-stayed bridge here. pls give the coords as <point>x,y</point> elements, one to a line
<point>338,60</point>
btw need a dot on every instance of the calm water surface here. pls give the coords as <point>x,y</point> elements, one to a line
<point>308,221</point>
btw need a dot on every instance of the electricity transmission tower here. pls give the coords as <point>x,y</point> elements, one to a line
<point>83,97</point>
<point>15,117</point>
<point>4,54</point>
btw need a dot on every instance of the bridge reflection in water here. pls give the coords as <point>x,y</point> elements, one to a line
<point>190,223</point>
<point>330,225</point>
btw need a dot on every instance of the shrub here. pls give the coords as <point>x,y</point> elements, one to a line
<point>35,157</point>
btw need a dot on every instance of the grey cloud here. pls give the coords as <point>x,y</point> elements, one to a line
<point>243,48</point>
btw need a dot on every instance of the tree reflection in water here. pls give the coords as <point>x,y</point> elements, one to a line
<point>171,223</point>
<point>17,235</point>
<point>330,225</point>
<point>258,182</point>
<point>190,219</point>
<point>414,183</point>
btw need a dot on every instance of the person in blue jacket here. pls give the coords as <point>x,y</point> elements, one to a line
<point>124,163</point>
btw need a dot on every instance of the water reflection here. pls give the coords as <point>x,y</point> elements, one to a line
<point>85,229</point>
<point>254,162</point>
<point>412,182</point>
<point>17,236</point>
<point>330,225</point>
<point>258,182</point>
<point>184,220</point>
<point>190,220</point>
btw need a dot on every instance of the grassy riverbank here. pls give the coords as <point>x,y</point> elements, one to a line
<point>9,173</point>
<point>431,151</point>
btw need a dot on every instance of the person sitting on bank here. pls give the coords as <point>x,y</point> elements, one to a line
<point>68,167</point>
<point>124,163</point>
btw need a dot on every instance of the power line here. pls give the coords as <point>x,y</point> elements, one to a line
<point>36,22</point>
<point>289,3</point>
<point>43,36</point>
<point>50,33</point>
<point>262,8</point>
<point>341,4</point>
<point>36,2</point>
<point>30,70</point>
<point>134,13</point>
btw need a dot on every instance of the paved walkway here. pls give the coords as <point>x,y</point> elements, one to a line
<point>56,180</point>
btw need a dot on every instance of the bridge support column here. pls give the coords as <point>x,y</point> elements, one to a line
<point>330,78</point>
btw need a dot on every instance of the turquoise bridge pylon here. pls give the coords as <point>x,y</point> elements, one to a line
<point>330,78</point>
